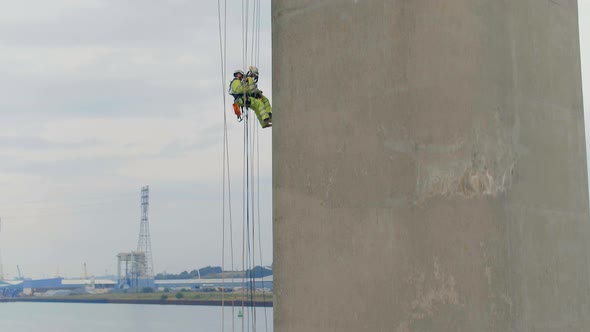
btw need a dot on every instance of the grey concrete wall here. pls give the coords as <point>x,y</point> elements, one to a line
<point>429,166</point>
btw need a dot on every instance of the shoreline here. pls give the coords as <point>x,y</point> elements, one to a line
<point>216,303</point>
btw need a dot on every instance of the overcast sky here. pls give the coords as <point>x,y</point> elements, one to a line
<point>101,97</point>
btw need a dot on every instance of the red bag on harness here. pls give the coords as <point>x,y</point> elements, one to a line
<point>237,110</point>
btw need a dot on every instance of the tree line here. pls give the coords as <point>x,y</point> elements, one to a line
<point>209,272</point>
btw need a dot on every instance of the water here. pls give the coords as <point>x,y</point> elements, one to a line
<point>66,317</point>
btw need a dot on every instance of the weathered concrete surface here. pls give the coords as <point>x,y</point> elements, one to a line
<point>429,166</point>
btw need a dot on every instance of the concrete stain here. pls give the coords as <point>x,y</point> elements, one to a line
<point>439,289</point>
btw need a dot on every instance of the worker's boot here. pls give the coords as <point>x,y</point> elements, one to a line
<point>267,122</point>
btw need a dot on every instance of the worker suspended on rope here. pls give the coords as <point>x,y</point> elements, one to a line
<point>244,88</point>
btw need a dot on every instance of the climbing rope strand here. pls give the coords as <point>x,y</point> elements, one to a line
<point>253,34</point>
<point>254,27</point>
<point>244,162</point>
<point>230,227</point>
<point>258,36</point>
<point>255,38</point>
<point>253,191</point>
<point>244,192</point>
<point>245,13</point>
<point>259,235</point>
<point>255,141</point>
<point>248,200</point>
<point>246,195</point>
<point>231,232</point>
<point>248,225</point>
<point>248,174</point>
<point>255,170</point>
<point>243,37</point>
<point>251,243</point>
<point>223,62</point>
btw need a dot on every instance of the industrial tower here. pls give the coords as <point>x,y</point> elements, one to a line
<point>144,243</point>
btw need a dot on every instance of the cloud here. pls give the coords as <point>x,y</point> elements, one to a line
<point>37,143</point>
<point>33,12</point>
<point>107,22</point>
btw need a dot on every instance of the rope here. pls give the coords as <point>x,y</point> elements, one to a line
<point>245,203</point>
<point>253,243</point>
<point>246,173</point>
<point>226,161</point>
<point>244,213</point>
<point>259,237</point>
<point>257,59</point>
<point>223,69</point>
<point>255,172</point>
<point>251,166</point>
<point>254,27</point>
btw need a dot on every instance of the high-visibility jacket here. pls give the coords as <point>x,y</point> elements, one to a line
<point>237,88</point>
<point>251,84</point>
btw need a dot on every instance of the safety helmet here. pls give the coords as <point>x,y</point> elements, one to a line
<point>253,70</point>
<point>238,72</point>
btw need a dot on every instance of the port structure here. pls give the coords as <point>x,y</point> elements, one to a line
<point>131,269</point>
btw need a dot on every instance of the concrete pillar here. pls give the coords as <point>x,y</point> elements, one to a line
<point>429,166</point>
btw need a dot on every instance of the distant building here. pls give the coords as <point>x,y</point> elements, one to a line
<point>10,288</point>
<point>132,271</point>
<point>31,287</point>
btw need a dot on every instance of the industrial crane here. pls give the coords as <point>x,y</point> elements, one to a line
<point>20,276</point>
